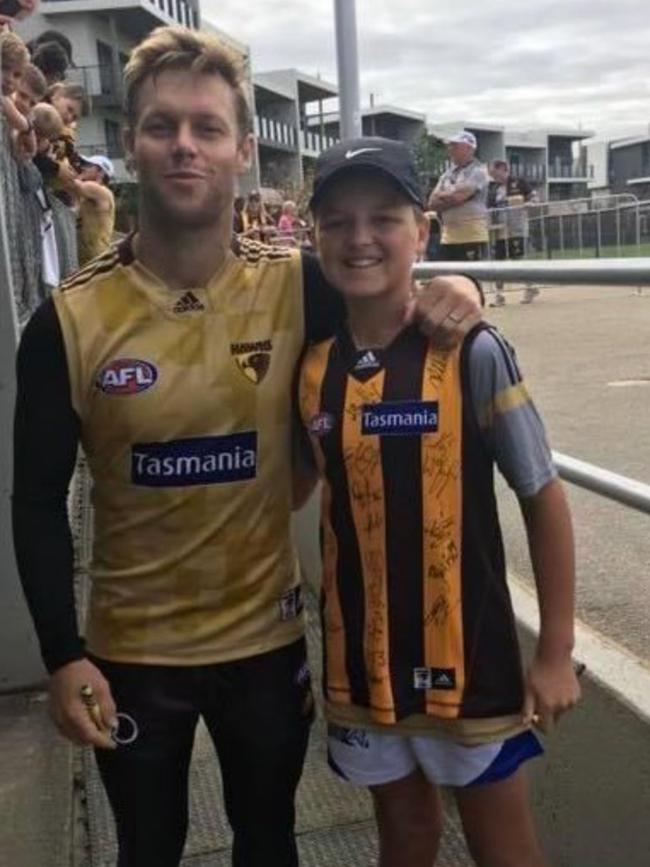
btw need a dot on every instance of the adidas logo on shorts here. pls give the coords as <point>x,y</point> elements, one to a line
<point>188,303</point>
<point>434,678</point>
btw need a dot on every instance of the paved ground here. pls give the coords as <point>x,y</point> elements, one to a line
<point>574,344</point>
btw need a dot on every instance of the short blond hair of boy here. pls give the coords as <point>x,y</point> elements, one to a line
<point>13,51</point>
<point>47,121</point>
<point>35,81</point>
<point>170,48</point>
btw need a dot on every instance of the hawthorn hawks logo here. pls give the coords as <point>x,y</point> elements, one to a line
<point>253,359</point>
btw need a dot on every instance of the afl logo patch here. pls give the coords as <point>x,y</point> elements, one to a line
<point>126,376</point>
<point>253,359</point>
<point>321,424</point>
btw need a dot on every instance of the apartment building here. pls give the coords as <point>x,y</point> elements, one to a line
<point>103,33</point>
<point>622,166</point>
<point>287,146</point>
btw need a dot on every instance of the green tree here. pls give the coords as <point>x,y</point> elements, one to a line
<point>429,155</point>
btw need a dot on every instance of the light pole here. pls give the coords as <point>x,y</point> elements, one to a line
<point>347,57</point>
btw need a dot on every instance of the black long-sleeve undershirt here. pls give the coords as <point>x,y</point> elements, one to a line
<point>46,435</point>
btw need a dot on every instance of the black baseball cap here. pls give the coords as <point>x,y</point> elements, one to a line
<point>386,156</point>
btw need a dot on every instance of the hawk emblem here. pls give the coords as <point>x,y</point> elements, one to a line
<point>253,359</point>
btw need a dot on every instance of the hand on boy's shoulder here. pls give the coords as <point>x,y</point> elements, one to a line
<point>446,309</point>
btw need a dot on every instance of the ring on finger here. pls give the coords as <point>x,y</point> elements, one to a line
<point>454,318</point>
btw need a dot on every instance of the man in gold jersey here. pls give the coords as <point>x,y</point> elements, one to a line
<point>170,358</point>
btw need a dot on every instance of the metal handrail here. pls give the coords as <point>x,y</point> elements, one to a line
<point>613,486</point>
<point>613,272</point>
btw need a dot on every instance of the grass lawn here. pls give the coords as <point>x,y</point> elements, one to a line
<point>626,250</point>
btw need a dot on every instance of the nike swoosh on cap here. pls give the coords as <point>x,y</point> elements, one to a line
<point>350,154</point>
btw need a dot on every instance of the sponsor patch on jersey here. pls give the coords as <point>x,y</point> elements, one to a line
<point>321,424</point>
<point>126,376</point>
<point>291,603</point>
<point>434,678</point>
<point>400,418</point>
<point>198,461</point>
<point>253,358</point>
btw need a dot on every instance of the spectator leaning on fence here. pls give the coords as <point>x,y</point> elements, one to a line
<point>15,58</point>
<point>507,198</point>
<point>96,206</point>
<point>459,199</point>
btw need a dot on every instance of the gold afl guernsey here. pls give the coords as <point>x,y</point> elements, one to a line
<point>185,407</point>
<point>418,627</point>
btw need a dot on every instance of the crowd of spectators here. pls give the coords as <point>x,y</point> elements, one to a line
<point>58,192</point>
<point>282,225</point>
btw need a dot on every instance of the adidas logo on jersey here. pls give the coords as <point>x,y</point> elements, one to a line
<point>368,361</point>
<point>434,678</point>
<point>188,303</point>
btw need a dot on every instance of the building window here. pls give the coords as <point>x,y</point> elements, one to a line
<point>113,139</point>
<point>105,60</point>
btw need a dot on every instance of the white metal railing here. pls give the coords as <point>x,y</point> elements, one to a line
<point>621,272</point>
<point>615,272</point>
<point>585,224</point>
<point>272,131</point>
<point>622,489</point>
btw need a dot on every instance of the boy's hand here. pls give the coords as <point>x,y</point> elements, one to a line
<point>552,688</point>
<point>446,309</point>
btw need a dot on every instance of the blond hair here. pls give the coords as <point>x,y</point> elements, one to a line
<point>47,121</point>
<point>13,50</point>
<point>35,80</point>
<point>180,48</point>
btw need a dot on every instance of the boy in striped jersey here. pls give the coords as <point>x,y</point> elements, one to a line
<point>422,679</point>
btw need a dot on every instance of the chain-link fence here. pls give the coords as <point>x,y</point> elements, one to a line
<point>23,211</point>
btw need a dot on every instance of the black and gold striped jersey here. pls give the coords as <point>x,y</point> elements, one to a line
<point>417,619</point>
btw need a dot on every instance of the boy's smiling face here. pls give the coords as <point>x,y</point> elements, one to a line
<point>368,235</point>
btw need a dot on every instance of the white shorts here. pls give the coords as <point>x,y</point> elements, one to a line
<point>371,758</point>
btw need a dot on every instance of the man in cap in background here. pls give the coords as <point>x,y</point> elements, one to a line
<point>96,206</point>
<point>460,200</point>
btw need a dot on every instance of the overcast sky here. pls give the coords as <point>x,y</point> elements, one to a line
<point>525,64</point>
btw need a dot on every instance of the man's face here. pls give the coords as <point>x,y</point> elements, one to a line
<point>186,147</point>
<point>90,172</point>
<point>499,174</point>
<point>368,236</point>
<point>460,152</point>
<point>11,77</point>
<point>69,109</point>
<point>25,98</point>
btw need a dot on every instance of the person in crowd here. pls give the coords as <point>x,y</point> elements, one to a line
<point>460,201</point>
<point>15,10</point>
<point>154,356</point>
<point>237,214</point>
<point>15,62</point>
<point>30,90</point>
<point>507,198</point>
<point>416,614</point>
<point>258,225</point>
<point>15,59</point>
<point>70,101</point>
<point>52,60</point>
<point>48,127</point>
<point>47,37</point>
<point>96,206</point>
<point>289,225</point>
